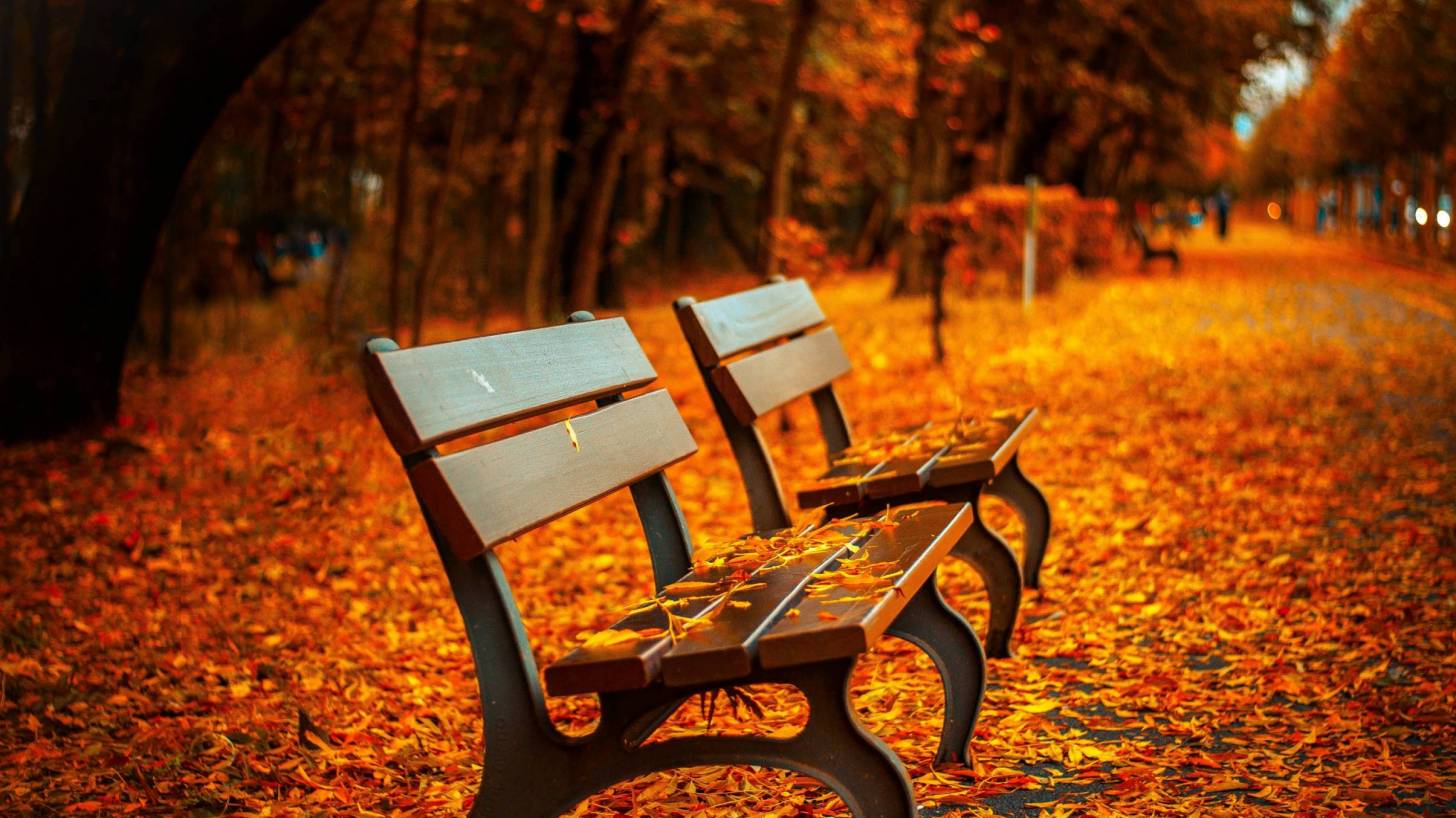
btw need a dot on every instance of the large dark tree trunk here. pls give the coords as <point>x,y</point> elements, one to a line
<point>145,81</point>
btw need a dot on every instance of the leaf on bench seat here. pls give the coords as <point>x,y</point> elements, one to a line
<point>721,571</point>
<point>983,455</point>
<point>711,620</point>
<point>851,605</point>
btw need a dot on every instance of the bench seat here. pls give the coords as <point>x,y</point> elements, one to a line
<point>769,601</point>
<point>940,454</point>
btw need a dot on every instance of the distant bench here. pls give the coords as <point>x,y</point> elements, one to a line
<point>783,626</point>
<point>762,348</point>
<point>1151,252</point>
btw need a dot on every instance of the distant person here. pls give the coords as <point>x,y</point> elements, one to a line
<point>1221,203</point>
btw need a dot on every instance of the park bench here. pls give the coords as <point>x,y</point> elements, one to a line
<point>784,624</point>
<point>757,350</point>
<point>1151,252</point>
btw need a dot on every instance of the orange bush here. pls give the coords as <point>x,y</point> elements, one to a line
<point>986,229</point>
<point>802,250</point>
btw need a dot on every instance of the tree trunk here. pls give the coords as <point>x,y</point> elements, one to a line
<point>341,203</point>
<point>327,110</point>
<point>269,179</point>
<point>736,242</point>
<point>543,155</point>
<point>862,249</point>
<point>590,138</point>
<point>591,237</point>
<point>1015,113</point>
<point>145,81</point>
<point>402,165</point>
<point>910,277</point>
<point>935,252</point>
<point>774,204</point>
<point>437,208</point>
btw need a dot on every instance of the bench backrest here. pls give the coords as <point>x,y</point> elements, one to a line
<point>1139,234</point>
<point>477,497</point>
<point>758,350</point>
<point>771,323</point>
<point>481,496</point>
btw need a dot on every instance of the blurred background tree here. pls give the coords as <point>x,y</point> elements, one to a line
<point>1369,146</point>
<point>469,158</point>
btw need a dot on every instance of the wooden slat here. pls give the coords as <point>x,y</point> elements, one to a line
<point>838,486</point>
<point>482,496</point>
<point>984,460</point>
<point>427,395</point>
<point>847,481</point>
<point>723,327</point>
<point>726,649</point>
<point>635,664</point>
<point>901,475</point>
<point>627,665</point>
<point>760,383</point>
<point>827,629</point>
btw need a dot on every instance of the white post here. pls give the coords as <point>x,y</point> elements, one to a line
<point>1028,262</point>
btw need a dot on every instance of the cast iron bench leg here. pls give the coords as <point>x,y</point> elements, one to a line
<point>994,560</point>
<point>950,641</point>
<point>1013,486</point>
<point>833,748</point>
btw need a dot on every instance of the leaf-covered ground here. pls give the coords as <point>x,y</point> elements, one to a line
<point>229,606</point>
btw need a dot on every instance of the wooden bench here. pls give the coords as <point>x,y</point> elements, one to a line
<point>758,349</point>
<point>476,499</point>
<point>1151,252</point>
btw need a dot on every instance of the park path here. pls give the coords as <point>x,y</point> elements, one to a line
<point>1247,605</point>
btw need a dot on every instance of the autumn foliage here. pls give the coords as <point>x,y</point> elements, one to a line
<point>227,604</point>
<point>985,231</point>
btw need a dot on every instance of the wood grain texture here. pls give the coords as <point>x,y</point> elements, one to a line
<point>847,481</point>
<point>838,486</point>
<point>901,475</point>
<point>760,383</point>
<point>634,664</point>
<point>723,327</point>
<point>482,496</point>
<point>726,649</point>
<point>984,460</point>
<point>914,547</point>
<point>430,394</point>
